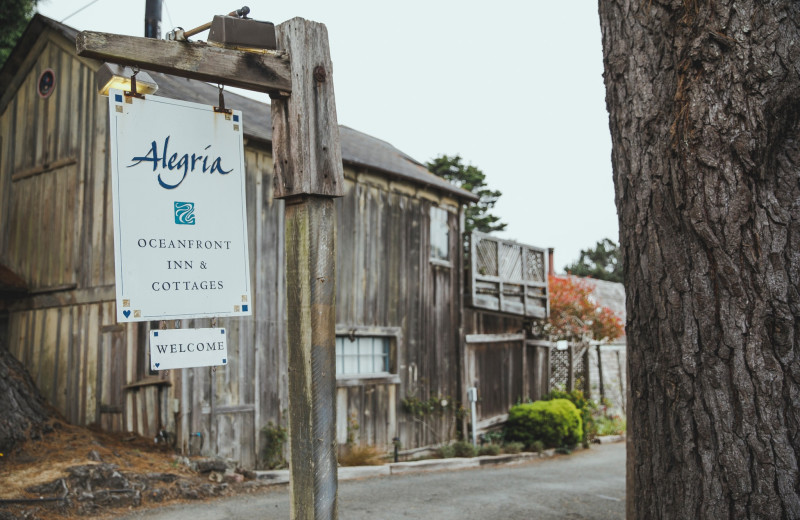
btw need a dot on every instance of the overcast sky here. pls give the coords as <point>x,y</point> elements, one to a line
<point>514,87</point>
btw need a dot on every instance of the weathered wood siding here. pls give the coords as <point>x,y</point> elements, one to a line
<point>52,155</point>
<point>505,366</point>
<point>386,279</point>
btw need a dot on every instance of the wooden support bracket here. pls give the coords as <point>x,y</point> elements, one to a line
<point>262,71</point>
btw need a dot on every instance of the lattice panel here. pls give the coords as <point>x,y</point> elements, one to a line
<point>534,265</point>
<point>510,262</point>
<point>559,370</point>
<point>487,257</point>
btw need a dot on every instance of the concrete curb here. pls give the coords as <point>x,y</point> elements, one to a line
<point>610,438</point>
<point>281,476</point>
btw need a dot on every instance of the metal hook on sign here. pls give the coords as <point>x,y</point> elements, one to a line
<point>214,322</point>
<point>221,108</point>
<point>133,80</point>
<point>177,324</point>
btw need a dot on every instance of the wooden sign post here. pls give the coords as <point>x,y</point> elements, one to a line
<point>308,175</point>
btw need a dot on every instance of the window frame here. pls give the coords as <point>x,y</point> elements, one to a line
<point>436,215</point>
<point>393,334</point>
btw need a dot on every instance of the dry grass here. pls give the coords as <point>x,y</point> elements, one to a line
<point>358,455</point>
<point>42,461</point>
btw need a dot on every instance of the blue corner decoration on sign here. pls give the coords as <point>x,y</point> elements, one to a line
<point>180,218</point>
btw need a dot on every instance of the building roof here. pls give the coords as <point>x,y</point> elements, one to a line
<point>359,150</point>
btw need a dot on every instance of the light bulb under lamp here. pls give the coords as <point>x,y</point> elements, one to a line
<point>116,76</point>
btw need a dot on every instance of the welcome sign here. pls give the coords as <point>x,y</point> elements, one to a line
<point>187,348</point>
<point>180,220</point>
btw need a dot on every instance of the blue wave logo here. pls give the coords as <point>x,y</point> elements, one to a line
<point>184,213</point>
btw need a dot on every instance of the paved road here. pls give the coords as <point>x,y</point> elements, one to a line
<point>587,485</point>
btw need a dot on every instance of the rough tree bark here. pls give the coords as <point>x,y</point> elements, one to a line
<point>23,412</point>
<point>704,103</point>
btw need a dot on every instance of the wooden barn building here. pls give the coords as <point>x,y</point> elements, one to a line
<point>406,333</point>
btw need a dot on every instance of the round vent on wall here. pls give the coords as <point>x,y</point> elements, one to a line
<point>46,83</point>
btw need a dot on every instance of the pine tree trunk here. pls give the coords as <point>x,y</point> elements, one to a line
<point>23,412</point>
<point>704,103</point>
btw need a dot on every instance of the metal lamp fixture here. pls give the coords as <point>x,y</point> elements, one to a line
<point>116,76</point>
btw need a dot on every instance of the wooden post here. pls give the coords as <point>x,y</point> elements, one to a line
<point>570,368</point>
<point>600,380</point>
<point>309,174</point>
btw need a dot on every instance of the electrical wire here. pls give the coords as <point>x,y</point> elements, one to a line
<point>79,10</point>
<point>166,8</point>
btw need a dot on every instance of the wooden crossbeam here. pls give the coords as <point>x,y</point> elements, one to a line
<point>262,71</point>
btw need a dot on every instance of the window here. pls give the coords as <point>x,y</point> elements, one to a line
<point>440,235</point>
<point>362,355</point>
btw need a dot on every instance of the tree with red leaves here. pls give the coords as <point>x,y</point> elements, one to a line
<point>574,315</point>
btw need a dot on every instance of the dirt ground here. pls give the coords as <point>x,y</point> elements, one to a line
<point>98,475</point>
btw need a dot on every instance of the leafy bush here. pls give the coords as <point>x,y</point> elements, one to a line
<point>610,425</point>
<point>513,447</point>
<point>556,423</point>
<point>587,408</point>
<point>445,451</point>
<point>464,449</point>
<point>489,449</point>
<point>275,437</point>
<point>494,437</point>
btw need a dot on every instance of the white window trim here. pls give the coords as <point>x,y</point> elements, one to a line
<point>394,334</point>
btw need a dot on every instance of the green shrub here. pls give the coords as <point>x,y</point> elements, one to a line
<point>587,408</point>
<point>489,449</point>
<point>556,423</point>
<point>445,451</point>
<point>513,447</point>
<point>610,425</point>
<point>464,449</point>
<point>537,447</point>
<point>274,437</point>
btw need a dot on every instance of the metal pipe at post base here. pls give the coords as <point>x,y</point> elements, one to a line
<point>472,396</point>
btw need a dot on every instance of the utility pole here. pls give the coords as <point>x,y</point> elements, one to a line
<point>152,19</point>
<point>308,175</point>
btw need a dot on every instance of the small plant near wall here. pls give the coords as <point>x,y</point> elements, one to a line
<point>513,447</point>
<point>435,405</point>
<point>489,449</point>
<point>352,429</point>
<point>274,438</point>
<point>428,412</point>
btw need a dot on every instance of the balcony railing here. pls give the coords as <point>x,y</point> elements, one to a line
<point>508,277</point>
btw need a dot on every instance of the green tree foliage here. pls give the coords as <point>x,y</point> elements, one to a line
<point>14,17</point>
<point>470,178</point>
<point>603,262</point>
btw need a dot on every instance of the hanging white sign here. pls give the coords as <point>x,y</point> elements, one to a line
<point>187,348</point>
<point>180,221</point>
